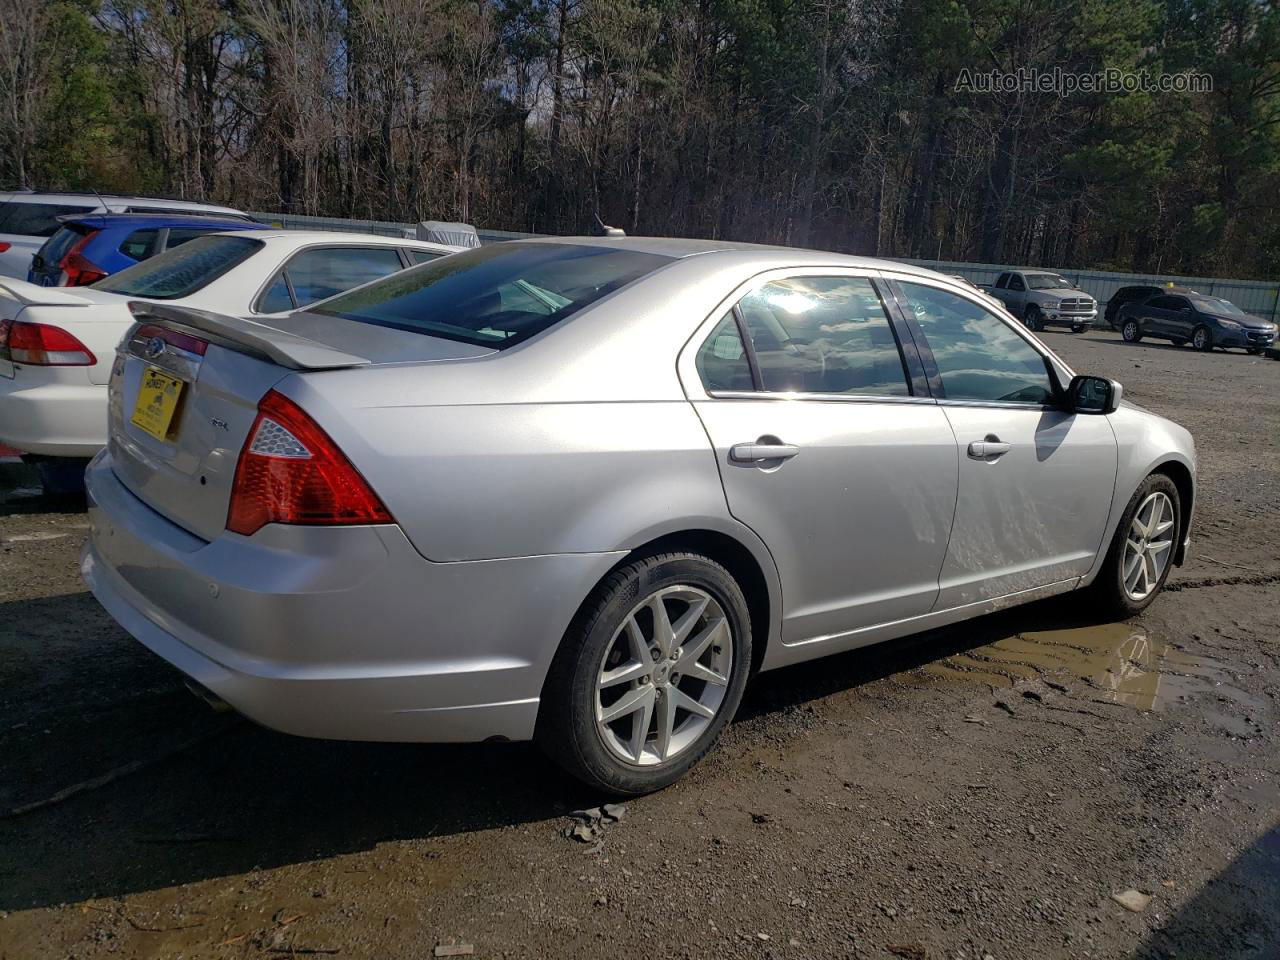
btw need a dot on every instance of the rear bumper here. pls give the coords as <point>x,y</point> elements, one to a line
<point>56,419</point>
<point>340,633</point>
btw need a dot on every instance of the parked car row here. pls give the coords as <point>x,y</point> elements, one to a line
<point>28,219</point>
<point>58,344</point>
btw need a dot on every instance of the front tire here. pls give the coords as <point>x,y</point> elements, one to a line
<point>1131,332</point>
<point>1142,548</point>
<point>1079,328</point>
<point>1202,339</point>
<point>1033,318</point>
<point>648,675</point>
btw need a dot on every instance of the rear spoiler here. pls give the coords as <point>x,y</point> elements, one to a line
<point>34,295</point>
<point>249,336</point>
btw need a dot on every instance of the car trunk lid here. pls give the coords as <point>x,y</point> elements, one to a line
<point>187,383</point>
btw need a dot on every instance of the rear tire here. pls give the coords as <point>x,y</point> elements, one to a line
<point>1202,339</point>
<point>1121,590</point>
<point>614,637</point>
<point>1131,332</point>
<point>60,476</point>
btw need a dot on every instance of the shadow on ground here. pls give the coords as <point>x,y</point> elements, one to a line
<point>243,797</point>
<point>1234,911</point>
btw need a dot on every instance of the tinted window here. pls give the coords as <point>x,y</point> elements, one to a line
<point>823,335</point>
<point>1003,281</point>
<point>180,235</point>
<point>140,244</point>
<point>276,298</point>
<point>979,356</point>
<point>423,256</point>
<point>60,244</point>
<point>1015,283</point>
<point>35,219</point>
<point>1165,303</point>
<point>722,360</point>
<point>496,295</point>
<point>316,274</point>
<point>1134,293</point>
<point>181,272</point>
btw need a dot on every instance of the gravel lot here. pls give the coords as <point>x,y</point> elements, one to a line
<point>980,792</point>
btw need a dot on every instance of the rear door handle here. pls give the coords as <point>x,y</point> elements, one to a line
<point>755,452</point>
<point>988,449</point>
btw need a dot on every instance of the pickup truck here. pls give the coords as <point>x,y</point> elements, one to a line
<point>1042,299</point>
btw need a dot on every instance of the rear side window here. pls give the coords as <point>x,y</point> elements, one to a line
<point>823,335</point>
<point>35,219</point>
<point>423,256</point>
<point>181,272</point>
<point>722,360</point>
<point>140,244</point>
<point>979,356</point>
<point>497,295</point>
<point>317,274</point>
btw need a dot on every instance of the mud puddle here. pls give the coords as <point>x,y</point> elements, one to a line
<point>1113,663</point>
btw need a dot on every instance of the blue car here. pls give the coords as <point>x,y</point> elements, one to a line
<point>86,249</point>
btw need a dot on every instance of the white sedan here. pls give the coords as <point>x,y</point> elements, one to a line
<point>57,347</point>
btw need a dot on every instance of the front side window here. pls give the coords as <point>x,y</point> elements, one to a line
<point>180,273</point>
<point>722,360</point>
<point>823,335</point>
<point>1015,283</point>
<point>979,356</point>
<point>497,295</point>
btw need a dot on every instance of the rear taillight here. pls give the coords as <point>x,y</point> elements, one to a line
<point>41,345</point>
<point>78,269</point>
<point>291,472</point>
<point>4,247</point>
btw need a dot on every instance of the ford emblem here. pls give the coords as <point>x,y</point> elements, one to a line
<point>154,347</point>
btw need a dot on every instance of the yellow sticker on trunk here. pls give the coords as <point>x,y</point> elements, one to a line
<point>157,403</point>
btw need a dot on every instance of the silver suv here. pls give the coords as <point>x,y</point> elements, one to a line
<point>28,218</point>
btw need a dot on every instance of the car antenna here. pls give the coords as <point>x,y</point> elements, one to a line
<point>604,230</point>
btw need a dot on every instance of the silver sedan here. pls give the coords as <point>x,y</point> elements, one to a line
<point>580,490</point>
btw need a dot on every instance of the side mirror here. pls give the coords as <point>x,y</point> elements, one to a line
<point>1094,395</point>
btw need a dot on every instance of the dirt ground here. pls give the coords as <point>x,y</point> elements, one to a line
<point>980,792</point>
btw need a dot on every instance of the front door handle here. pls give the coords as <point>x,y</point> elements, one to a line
<point>755,452</point>
<point>988,449</point>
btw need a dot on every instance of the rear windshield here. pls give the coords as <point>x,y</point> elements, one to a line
<point>494,296</point>
<point>181,272</point>
<point>57,246</point>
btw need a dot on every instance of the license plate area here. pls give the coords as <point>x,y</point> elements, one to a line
<point>157,404</point>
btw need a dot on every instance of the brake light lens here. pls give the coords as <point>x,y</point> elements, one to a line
<point>42,345</point>
<point>290,471</point>
<point>4,247</point>
<point>79,270</point>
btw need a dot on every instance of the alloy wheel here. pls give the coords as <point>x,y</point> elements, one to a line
<point>1200,339</point>
<point>664,676</point>
<point>1148,546</point>
<point>1130,331</point>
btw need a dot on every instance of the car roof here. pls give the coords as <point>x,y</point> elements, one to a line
<point>105,220</point>
<point>765,255</point>
<point>87,198</point>
<point>275,235</point>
